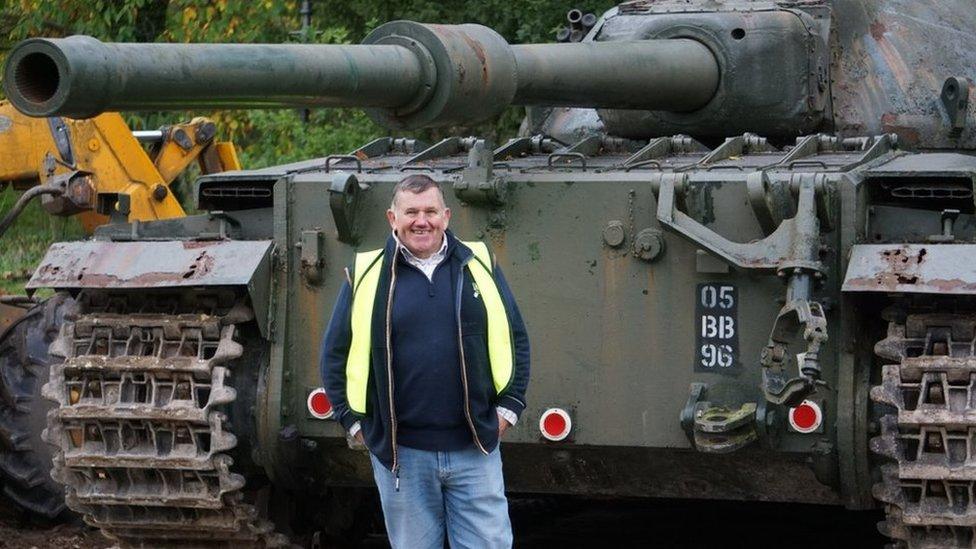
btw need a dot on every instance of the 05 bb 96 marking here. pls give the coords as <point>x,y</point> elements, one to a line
<point>716,328</point>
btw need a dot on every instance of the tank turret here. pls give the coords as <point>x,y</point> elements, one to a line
<point>644,69</point>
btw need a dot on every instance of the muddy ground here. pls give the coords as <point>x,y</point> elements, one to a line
<point>637,523</point>
<point>18,531</point>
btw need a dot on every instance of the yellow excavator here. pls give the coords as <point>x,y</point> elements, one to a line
<point>99,167</point>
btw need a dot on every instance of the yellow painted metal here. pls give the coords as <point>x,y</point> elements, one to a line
<point>227,154</point>
<point>172,158</point>
<point>23,142</point>
<point>105,147</point>
<point>120,165</point>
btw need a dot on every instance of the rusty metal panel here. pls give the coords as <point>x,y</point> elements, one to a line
<point>912,268</point>
<point>893,57</point>
<point>76,265</point>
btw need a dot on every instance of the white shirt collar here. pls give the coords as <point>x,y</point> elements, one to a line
<point>428,265</point>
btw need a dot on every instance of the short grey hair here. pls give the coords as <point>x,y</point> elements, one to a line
<point>416,184</point>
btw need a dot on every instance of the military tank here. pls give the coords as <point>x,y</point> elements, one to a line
<point>741,234</point>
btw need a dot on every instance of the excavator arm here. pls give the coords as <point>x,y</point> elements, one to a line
<point>82,167</point>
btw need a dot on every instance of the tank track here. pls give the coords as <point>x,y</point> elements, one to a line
<point>928,434</point>
<point>25,461</point>
<point>139,433</point>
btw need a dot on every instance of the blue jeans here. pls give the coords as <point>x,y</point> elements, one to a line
<point>462,492</point>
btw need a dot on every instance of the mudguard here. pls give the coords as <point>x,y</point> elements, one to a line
<point>73,266</point>
<point>912,268</point>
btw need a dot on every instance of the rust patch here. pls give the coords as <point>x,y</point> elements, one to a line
<point>479,52</point>
<point>901,264</point>
<point>878,30</point>
<point>906,134</point>
<point>194,244</point>
<point>200,266</point>
<point>899,260</point>
<point>107,281</point>
<point>9,315</point>
<point>951,286</point>
<point>901,272</point>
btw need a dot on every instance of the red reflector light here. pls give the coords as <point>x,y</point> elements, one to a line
<point>555,424</point>
<point>806,418</point>
<point>319,405</point>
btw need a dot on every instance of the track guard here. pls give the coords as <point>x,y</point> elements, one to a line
<point>912,268</point>
<point>73,266</point>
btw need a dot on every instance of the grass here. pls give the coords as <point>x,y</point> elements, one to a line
<point>24,244</point>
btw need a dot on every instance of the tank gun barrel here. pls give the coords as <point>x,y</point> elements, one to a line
<point>658,75</point>
<point>81,77</point>
<point>406,75</point>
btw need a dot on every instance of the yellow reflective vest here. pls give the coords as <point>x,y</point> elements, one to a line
<point>365,285</point>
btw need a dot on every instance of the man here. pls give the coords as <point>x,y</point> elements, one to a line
<point>426,362</point>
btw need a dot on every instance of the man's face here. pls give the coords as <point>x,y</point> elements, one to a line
<point>419,220</point>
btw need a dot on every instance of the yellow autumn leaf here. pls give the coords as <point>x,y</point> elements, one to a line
<point>189,14</point>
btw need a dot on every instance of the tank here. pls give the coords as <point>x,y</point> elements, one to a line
<point>741,235</point>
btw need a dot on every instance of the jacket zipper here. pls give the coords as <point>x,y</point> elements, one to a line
<point>464,368</point>
<point>389,367</point>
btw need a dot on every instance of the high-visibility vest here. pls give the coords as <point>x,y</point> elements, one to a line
<point>365,285</point>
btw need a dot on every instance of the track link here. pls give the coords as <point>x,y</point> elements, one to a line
<point>139,431</point>
<point>928,434</point>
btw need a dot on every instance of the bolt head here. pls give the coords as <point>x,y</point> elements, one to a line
<point>613,234</point>
<point>649,244</point>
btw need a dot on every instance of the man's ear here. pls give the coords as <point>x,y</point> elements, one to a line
<point>391,217</point>
<point>447,216</point>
